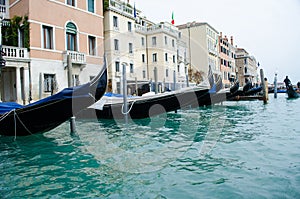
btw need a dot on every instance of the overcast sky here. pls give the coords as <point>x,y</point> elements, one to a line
<point>267,29</point>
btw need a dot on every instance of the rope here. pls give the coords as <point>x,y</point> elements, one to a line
<point>129,109</point>
<point>24,125</point>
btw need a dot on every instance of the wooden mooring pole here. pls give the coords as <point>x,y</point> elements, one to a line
<point>275,85</point>
<point>70,81</point>
<point>264,84</point>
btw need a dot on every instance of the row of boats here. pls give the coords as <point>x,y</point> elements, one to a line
<point>91,98</point>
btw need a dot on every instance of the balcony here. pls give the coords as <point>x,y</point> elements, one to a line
<point>15,53</point>
<point>76,57</point>
<point>121,8</point>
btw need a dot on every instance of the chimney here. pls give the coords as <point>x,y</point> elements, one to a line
<point>231,40</point>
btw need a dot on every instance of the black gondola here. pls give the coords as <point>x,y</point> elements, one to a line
<point>290,91</point>
<point>111,107</point>
<point>50,112</point>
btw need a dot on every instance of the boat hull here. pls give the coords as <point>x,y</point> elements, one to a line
<point>50,112</point>
<point>155,105</point>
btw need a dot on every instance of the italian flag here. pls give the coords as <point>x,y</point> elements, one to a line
<point>173,22</point>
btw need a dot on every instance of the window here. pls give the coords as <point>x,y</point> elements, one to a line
<point>131,68</point>
<point>130,48</point>
<point>174,60</point>
<point>91,6</point>
<point>71,34</point>
<point>166,40</point>
<point>154,56</point>
<point>144,74</point>
<point>117,65</point>
<point>115,22</point>
<point>49,82</point>
<point>166,57</point>
<point>154,41</point>
<point>47,37</point>
<point>2,2</point>
<point>116,44</point>
<point>129,26</point>
<point>173,43</point>
<point>143,41</point>
<point>92,45</point>
<point>75,79</point>
<point>21,36</point>
<point>167,72</point>
<point>143,58</point>
<point>245,61</point>
<point>71,2</point>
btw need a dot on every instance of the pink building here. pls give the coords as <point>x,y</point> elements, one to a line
<point>46,32</point>
<point>227,60</point>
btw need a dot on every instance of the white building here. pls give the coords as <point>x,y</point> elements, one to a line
<point>145,47</point>
<point>202,42</point>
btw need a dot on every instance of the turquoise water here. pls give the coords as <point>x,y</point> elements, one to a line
<point>235,150</point>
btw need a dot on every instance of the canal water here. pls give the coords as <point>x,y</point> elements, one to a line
<point>232,150</point>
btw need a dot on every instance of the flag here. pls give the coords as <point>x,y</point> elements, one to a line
<point>173,22</point>
<point>134,11</point>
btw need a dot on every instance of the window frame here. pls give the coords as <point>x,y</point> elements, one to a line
<point>71,37</point>
<point>47,37</point>
<point>92,45</point>
<point>91,3</point>
<point>71,2</point>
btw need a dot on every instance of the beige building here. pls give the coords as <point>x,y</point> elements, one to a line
<point>246,67</point>
<point>47,32</point>
<point>150,51</point>
<point>202,44</point>
<point>227,60</point>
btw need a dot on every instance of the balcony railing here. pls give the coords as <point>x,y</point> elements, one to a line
<point>76,57</point>
<point>15,52</point>
<point>121,7</point>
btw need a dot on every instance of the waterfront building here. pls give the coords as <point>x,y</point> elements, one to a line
<point>36,44</point>
<point>149,50</point>
<point>227,60</point>
<point>202,42</point>
<point>246,66</point>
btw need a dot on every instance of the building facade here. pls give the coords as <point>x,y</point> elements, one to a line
<point>202,45</point>
<point>149,50</point>
<point>36,63</point>
<point>227,60</point>
<point>246,67</point>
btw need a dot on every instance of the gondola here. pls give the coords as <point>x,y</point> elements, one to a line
<point>291,93</point>
<point>48,113</point>
<point>112,107</point>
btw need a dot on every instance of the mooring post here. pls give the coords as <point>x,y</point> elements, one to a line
<point>72,124</point>
<point>264,86</point>
<point>275,85</point>
<point>155,79</point>
<point>125,107</point>
<point>70,81</point>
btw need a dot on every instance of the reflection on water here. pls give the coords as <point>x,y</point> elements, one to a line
<point>235,149</point>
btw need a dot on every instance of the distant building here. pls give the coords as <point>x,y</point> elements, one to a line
<point>202,44</point>
<point>246,66</point>
<point>227,60</point>
<point>145,47</point>
<point>46,32</point>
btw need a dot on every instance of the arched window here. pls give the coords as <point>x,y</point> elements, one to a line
<point>71,36</point>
